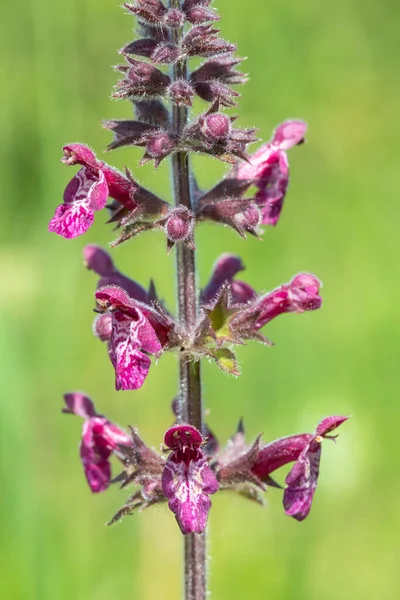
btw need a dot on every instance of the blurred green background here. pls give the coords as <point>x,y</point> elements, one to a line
<point>335,65</point>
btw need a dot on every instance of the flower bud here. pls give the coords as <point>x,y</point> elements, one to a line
<point>158,146</point>
<point>181,92</point>
<point>200,14</point>
<point>216,127</point>
<point>165,54</point>
<point>98,260</point>
<point>178,226</point>
<point>174,18</point>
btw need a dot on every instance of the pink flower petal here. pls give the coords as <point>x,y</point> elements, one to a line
<point>289,133</point>
<point>98,193</point>
<point>98,475</point>
<point>130,364</point>
<point>188,487</point>
<point>302,482</point>
<point>187,479</point>
<point>85,194</point>
<point>71,220</point>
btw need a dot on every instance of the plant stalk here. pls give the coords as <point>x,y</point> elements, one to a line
<point>190,405</point>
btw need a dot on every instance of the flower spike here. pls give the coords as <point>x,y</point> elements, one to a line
<point>157,78</point>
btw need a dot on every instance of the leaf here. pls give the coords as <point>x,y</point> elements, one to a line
<point>226,360</point>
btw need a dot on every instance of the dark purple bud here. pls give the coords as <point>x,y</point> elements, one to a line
<point>165,53</point>
<point>178,226</point>
<point>141,79</point>
<point>224,270</point>
<point>187,479</point>
<point>214,91</point>
<point>219,68</point>
<point>203,40</point>
<point>159,145</point>
<point>239,213</point>
<point>215,127</point>
<point>98,260</point>
<point>174,18</point>
<point>102,327</point>
<point>181,92</point>
<point>212,134</point>
<point>200,14</point>
<point>188,4</point>
<point>150,10</point>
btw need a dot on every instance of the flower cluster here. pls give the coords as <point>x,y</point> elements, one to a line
<point>196,469</point>
<point>136,209</point>
<point>135,324</point>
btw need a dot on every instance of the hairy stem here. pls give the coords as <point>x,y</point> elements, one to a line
<point>190,408</point>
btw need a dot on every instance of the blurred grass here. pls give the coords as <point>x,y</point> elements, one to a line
<point>335,65</point>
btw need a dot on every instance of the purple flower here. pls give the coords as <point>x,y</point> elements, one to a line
<point>299,295</point>
<point>134,328</point>
<point>269,168</point>
<point>99,261</point>
<point>305,450</point>
<point>224,270</point>
<point>100,439</point>
<point>187,478</point>
<point>87,192</point>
